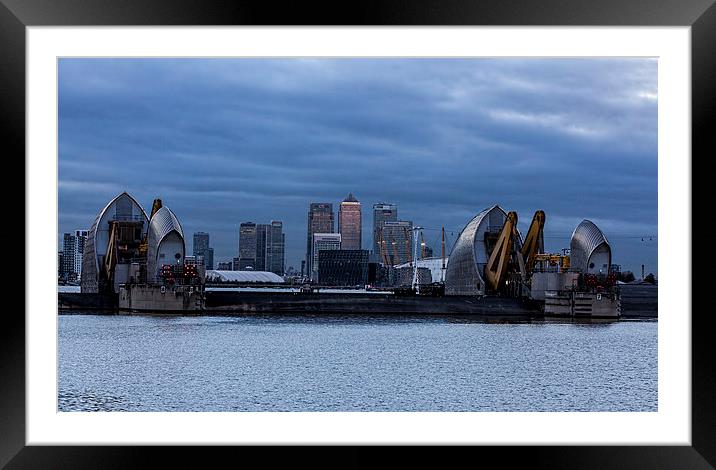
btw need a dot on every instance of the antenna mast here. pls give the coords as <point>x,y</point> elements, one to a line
<point>416,286</point>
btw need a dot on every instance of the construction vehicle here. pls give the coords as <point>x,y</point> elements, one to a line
<point>551,261</point>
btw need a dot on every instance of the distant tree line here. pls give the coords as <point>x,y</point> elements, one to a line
<point>628,276</point>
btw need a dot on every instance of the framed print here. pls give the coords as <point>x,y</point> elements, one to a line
<point>308,311</point>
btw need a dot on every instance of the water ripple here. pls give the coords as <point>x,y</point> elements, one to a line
<point>353,363</point>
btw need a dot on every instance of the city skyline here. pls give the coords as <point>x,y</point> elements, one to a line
<point>442,139</point>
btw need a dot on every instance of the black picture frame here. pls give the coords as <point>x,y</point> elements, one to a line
<point>16,15</point>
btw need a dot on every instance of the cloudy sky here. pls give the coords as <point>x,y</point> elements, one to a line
<point>222,141</point>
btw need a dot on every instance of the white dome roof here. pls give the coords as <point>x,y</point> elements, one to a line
<point>243,276</point>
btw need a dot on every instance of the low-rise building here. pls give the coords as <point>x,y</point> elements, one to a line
<point>343,267</point>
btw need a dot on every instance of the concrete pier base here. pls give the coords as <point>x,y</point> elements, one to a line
<point>147,298</point>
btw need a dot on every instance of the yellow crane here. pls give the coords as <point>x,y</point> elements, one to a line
<point>110,259</point>
<point>496,267</point>
<point>533,243</point>
<point>508,244</point>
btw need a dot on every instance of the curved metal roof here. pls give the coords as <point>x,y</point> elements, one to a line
<point>586,238</point>
<point>163,223</point>
<point>244,276</point>
<point>116,199</point>
<point>90,258</point>
<point>463,275</point>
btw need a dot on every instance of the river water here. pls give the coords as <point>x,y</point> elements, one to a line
<point>346,363</point>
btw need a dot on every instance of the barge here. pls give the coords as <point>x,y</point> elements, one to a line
<point>192,300</point>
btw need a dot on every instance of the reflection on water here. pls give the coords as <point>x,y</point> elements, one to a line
<point>354,363</point>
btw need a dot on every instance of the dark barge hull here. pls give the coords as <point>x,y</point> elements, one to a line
<point>93,303</point>
<point>218,302</point>
<point>288,303</point>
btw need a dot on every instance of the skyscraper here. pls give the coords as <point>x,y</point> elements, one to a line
<point>247,246</point>
<point>209,258</point>
<point>382,213</point>
<point>60,264</point>
<point>349,223</point>
<point>277,243</point>
<point>270,247</point>
<point>72,250</point>
<point>201,248</point>
<point>80,237</point>
<point>263,246</point>
<point>320,220</point>
<point>398,238</point>
<point>68,259</point>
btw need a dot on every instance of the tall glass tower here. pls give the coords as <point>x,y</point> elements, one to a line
<point>382,213</point>
<point>277,245</point>
<point>201,248</point>
<point>349,223</point>
<point>320,220</point>
<point>247,246</point>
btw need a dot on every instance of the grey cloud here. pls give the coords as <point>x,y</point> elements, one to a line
<point>228,140</point>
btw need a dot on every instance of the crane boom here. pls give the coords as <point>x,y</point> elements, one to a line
<point>156,205</point>
<point>534,242</point>
<point>110,259</point>
<point>496,267</point>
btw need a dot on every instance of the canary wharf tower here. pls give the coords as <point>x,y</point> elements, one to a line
<point>349,223</point>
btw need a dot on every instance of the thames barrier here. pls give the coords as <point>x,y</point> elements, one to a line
<point>134,262</point>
